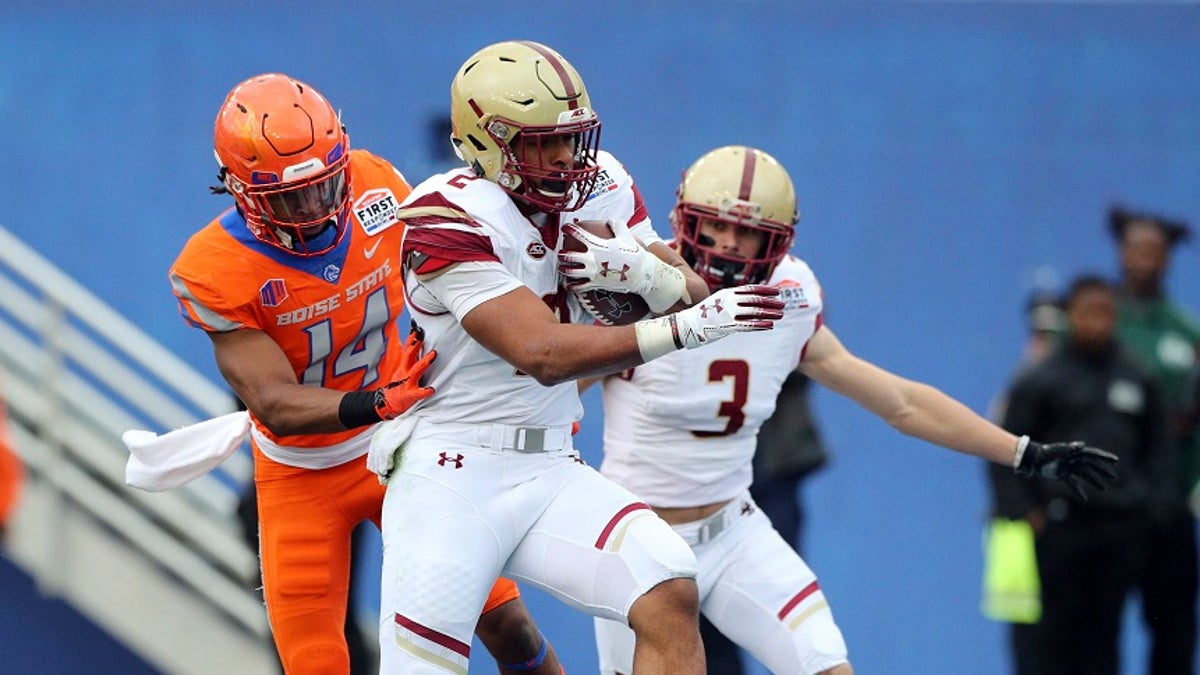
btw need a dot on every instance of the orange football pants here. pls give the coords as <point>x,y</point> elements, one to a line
<point>306,518</point>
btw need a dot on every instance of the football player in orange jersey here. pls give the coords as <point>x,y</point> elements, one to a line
<point>299,289</point>
<point>12,473</point>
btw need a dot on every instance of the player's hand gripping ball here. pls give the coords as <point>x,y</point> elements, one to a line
<point>609,307</point>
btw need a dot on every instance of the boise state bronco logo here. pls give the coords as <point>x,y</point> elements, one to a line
<point>376,210</point>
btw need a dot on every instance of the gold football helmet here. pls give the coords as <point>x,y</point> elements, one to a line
<point>509,103</point>
<point>744,187</point>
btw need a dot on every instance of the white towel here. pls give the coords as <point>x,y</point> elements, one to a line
<point>387,444</point>
<point>158,463</point>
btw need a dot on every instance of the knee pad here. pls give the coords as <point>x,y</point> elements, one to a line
<point>317,658</point>
<point>648,539</point>
<point>649,553</point>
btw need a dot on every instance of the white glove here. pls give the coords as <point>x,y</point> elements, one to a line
<point>621,264</point>
<point>730,310</point>
<point>387,444</point>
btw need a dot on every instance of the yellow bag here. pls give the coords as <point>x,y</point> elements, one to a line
<point>1012,591</point>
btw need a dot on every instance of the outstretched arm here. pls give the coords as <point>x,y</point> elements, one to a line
<point>913,408</point>
<point>919,410</point>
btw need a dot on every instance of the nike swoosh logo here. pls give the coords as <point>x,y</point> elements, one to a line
<point>369,252</point>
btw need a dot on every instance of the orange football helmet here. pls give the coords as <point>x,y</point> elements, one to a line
<point>285,158</point>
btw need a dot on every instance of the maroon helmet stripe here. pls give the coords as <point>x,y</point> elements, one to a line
<point>561,69</point>
<point>747,176</point>
<point>460,648</point>
<point>475,106</point>
<point>612,524</point>
<point>807,591</point>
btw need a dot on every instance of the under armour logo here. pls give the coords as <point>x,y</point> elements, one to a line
<point>716,307</point>
<point>747,508</point>
<point>457,459</point>
<point>604,270</point>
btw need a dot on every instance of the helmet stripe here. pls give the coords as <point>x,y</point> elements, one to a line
<point>557,64</point>
<point>475,108</point>
<point>747,175</point>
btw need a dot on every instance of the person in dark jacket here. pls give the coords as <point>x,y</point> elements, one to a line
<point>1089,553</point>
<point>1047,321</point>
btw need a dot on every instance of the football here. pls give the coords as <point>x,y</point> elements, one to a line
<point>607,307</point>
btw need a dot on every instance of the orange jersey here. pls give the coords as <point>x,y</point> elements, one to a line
<point>11,471</point>
<point>333,315</point>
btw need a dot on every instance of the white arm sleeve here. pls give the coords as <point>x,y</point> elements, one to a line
<point>467,285</point>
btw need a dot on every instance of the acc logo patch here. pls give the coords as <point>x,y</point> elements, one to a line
<point>536,250</point>
<point>376,210</point>
<point>272,293</point>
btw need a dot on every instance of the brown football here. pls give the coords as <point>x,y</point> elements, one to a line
<point>609,308</point>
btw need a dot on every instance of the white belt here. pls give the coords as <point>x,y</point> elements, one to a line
<point>500,437</point>
<point>712,526</point>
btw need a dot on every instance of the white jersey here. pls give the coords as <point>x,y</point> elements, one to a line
<point>681,430</point>
<point>467,243</point>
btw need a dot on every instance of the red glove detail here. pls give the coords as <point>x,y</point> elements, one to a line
<point>405,389</point>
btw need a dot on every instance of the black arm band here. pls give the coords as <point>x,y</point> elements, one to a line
<point>357,409</point>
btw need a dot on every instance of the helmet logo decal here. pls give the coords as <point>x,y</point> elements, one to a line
<point>272,293</point>
<point>740,209</point>
<point>575,115</point>
<point>303,169</point>
<point>261,177</point>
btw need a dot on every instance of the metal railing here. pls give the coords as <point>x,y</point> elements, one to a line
<point>76,375</point>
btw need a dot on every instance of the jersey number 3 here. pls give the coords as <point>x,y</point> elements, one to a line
<point>732,409</point>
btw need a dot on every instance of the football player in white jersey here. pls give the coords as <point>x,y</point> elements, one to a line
<point>485,478</point>
<point>680,431</point>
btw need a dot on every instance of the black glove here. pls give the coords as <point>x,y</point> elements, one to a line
<point>1073,463</point>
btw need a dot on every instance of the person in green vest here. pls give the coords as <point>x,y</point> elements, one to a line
<point>1167,338</point>
<point>1011,586</point>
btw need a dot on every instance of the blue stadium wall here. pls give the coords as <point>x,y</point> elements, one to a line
<point>948,157</point>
